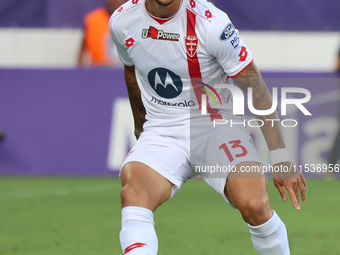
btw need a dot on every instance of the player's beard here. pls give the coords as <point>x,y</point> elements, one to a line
<point>164,4</point>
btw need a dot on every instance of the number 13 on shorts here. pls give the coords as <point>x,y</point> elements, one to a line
<point>232,148</point>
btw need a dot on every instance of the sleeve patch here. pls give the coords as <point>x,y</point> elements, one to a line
<point>235,41</point>
<point>227,32</point>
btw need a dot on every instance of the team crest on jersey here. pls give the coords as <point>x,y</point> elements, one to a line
<point>227,32</point>
<point>191,43</point>
<point>156,34</point>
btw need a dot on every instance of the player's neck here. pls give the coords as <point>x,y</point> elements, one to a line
<point>163,8</point>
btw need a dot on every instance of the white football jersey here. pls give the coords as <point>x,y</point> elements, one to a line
<point>177,60</point>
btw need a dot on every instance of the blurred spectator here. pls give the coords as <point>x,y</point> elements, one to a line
<point>338,62</point>
<point>98,48</point>
<point>335,151</point>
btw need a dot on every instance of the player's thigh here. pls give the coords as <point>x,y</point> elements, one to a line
<point>153,171</point>
<point>216,151</point>
<point>243,185</point>
<point>143,186</point>
<point>246,189</point>
<point>224,150</point>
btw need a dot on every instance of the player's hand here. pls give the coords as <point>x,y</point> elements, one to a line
<point>288,177</point>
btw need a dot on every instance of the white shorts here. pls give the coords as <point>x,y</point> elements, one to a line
<point>210,153</point>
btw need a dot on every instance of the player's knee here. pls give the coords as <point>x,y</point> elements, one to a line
<point>256,211</point>
<point>129,196</point>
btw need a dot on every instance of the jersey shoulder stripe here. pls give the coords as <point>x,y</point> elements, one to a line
<point>126,7</point>
<point>201,9</point>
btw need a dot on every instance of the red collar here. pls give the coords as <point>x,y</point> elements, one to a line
<point>162,21</point>
<point>159,20</point>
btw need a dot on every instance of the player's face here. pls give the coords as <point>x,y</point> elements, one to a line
<point>164,2</point>
<point>163,8</point>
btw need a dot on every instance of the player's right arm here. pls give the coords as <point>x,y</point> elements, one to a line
<point>138,109</point>
<point>134,93</point>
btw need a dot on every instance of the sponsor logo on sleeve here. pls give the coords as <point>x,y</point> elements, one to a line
<point>227,32</point>
<point>129,42</point>
<point>235,41</point>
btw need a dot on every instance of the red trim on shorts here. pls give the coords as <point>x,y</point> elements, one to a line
<point>195,70</point>
<point>128,154</point>
<point>241,70</point>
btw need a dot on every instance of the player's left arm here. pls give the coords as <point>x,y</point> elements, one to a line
<point>292,180</point>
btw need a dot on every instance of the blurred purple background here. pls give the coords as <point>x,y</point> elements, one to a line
<point>287,15</point>
<point>58,122</point>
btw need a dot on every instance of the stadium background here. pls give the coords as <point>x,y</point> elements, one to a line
<point>61,120</point>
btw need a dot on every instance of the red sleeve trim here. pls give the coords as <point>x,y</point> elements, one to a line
<point>242,69</point>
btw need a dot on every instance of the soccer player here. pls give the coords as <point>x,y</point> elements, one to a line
<point>174,52</point>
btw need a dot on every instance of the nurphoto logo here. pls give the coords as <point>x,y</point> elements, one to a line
<point>238,104</point>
